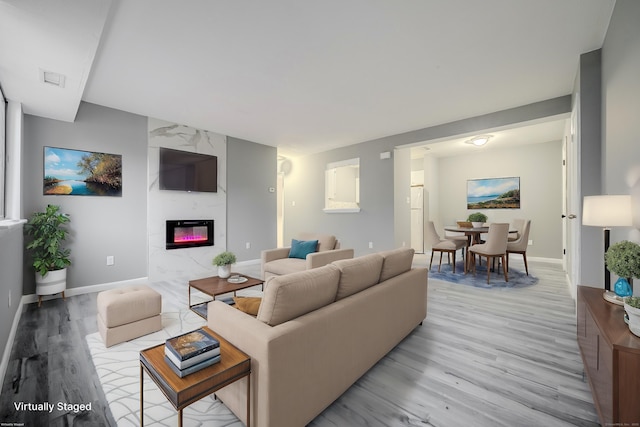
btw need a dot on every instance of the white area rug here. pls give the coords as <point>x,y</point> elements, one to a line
<point>118,368</point>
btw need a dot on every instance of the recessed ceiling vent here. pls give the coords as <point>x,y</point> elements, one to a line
<point>52,78</point>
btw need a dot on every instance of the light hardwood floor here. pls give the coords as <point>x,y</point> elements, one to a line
<point>483,357</point>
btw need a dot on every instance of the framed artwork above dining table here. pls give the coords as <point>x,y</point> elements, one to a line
<point>493,193</point>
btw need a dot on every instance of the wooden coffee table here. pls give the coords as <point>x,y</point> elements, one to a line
<point>213,286</point>
<point>182,392</point>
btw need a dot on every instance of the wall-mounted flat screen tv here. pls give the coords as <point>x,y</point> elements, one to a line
<point>186,171</point>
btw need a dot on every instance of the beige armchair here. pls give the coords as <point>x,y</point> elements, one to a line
<point>276,262</point>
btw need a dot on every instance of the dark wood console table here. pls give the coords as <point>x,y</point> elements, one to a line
<point>611,357</point>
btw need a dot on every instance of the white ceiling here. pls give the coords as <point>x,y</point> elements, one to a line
<point>301,75</point>
<point>524,134</point>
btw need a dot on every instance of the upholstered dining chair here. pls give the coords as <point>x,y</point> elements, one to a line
<point>517,224</point>
<point>519,246</point>
<point>455,236</point>
<point>443,245</point>
<point>495,247</point>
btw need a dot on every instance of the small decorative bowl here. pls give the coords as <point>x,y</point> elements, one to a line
<point>464,224</point>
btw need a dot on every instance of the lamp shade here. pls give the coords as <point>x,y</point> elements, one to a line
<point>607,211</point>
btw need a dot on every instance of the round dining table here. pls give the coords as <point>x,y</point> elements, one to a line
<point>472,233</point>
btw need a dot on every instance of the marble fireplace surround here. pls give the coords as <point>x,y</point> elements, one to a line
<point>163,205</point>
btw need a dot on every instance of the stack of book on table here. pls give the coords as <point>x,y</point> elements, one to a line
<point>191,352</point>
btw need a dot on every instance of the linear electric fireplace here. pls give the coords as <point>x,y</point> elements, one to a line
<point>189,233</point>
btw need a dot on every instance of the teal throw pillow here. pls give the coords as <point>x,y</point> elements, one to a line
<point>301,248</point>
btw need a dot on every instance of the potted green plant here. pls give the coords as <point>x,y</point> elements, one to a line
<point>477,219</point>
<point>632,307</point>
<point>623,259</point>
<point>50,259</point>
<point>224,260</point>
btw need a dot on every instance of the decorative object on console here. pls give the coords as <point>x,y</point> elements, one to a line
<point>623,259</point>
<point>477,219</point>
<point>632,307</point>
<point>224,260</point>
<point>607,211</point>
<point>50,259</point>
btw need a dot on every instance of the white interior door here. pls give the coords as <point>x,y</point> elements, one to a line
<point>571,203</point>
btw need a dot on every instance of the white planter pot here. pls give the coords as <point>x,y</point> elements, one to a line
<point>477,224</point>
<point>634,319</point>
<point>51,283</point>
<point>224,271</point>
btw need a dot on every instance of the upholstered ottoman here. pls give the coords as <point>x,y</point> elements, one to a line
<point>128,313</point>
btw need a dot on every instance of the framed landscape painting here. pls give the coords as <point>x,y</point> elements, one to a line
<point>81,173</point>
<point>493,193</point>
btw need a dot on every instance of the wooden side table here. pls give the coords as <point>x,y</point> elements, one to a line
<point>181,392</point>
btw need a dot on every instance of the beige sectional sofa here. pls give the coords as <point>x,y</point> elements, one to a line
<point>318,331</point>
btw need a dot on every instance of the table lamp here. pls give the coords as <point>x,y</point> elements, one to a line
<point>607,211</point>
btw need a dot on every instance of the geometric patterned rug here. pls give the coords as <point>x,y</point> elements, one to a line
<point>118,368</point>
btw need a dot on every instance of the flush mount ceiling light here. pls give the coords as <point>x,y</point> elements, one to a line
<point>479,140</point>
<point>52,78</point>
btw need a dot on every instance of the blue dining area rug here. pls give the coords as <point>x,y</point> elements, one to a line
<point>517,278</point>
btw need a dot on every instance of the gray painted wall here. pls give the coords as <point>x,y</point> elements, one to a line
<point>621,110</point>
<point>539,167</point>
<point>304,199</point>
<point>304,185</point>
<point>11,244</point>
<point>588,85</point>
<point>251,207</point>
<point>100,226</point>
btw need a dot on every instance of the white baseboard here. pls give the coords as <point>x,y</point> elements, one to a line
<point>28,299</point>
<point>248,262</point>
<point>549,260</point>
<point>12,335</point>
<point>4,364</point>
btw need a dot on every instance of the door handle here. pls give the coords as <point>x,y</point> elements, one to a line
<point>570,216</point>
